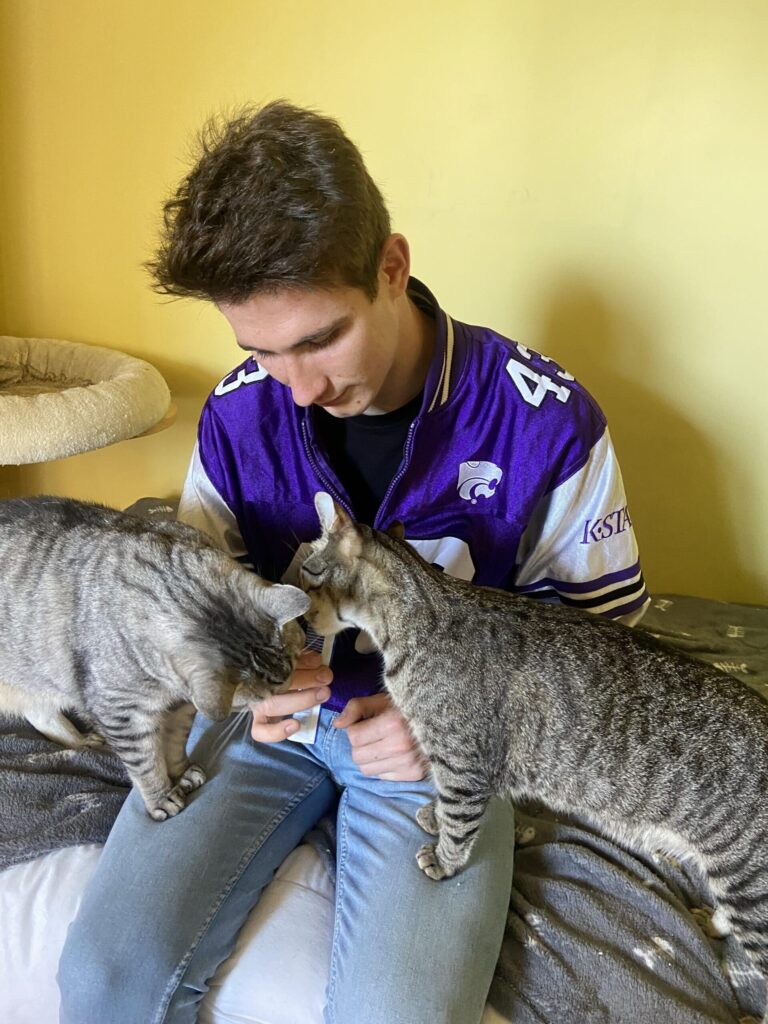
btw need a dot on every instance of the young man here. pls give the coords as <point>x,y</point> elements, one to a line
<point>501,469</point>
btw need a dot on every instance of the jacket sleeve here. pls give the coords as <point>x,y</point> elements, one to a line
<point>202,506</point>
<point>579,547</point>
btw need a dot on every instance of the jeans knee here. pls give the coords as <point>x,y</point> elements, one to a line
<point>96,983</point>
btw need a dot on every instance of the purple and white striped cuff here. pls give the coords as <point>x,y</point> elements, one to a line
<point>615,594</point>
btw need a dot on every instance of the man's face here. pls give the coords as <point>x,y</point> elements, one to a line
<point>332,347</point>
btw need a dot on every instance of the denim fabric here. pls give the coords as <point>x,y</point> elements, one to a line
<point>167,900</point>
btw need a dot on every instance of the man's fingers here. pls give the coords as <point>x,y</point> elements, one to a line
<point>359,708</point>
<point>308,687</point>
<point>288,703</point>
<point>309,659</point>
<point>392,744</point>
<point>382,744</point>
<point>273,732</point>
<point>264,728</point>
<point>373,730</point>
<point>310,671</point>
<point>304,678</point>
<point>408,768</point>
<point>396,747</point>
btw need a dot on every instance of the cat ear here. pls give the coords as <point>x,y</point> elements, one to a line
<point>282,602</point>
<point>396,530</point>
<point>333,519</point>
<point>332,516</point>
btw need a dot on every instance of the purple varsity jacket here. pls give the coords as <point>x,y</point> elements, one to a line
<point>508,479</point>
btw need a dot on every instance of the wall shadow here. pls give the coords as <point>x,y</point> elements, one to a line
<point>675,479</point>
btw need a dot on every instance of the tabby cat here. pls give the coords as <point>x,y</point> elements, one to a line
<point>509,696</point>
<point>132,624</point>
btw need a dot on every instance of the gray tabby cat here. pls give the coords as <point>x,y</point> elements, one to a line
<point>508,696</point>
<point>132,624</point>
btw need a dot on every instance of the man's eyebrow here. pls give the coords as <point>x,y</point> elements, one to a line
<point>323,332</point>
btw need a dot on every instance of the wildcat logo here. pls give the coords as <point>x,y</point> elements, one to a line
<point>602,528</point>
<point>241,377</point>
<point>478,479</point>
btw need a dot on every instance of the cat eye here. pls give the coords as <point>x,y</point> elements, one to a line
<point>310,572</point>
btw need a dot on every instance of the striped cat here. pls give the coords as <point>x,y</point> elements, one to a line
<point>509,696</point>
<point>132,624</point>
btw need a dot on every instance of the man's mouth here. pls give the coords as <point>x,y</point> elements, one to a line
<point>336,401</point>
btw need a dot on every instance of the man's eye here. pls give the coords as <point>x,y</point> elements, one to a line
<point>315,346</point>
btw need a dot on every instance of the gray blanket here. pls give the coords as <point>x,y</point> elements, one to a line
<point>51,796</point>
<point>595,935</point>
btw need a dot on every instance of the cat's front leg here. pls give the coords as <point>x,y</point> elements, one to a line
<point>455,817</point>
<point>176,727</point>
<point>141,751</point>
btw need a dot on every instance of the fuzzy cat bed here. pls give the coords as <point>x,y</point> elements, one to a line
<point>59,398</point>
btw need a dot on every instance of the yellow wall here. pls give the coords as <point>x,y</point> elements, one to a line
<point>589,177</point>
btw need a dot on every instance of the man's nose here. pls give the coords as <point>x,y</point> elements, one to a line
<point>305,387</point>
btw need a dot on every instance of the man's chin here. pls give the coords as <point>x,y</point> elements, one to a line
<point>344,408</point>
<point>338,411</point>
<point>355,401</point>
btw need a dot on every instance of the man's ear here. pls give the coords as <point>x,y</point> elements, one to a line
<point>332,517</point>
<point>396,530</point>
<point>282,602</point>
<point>395,265</point>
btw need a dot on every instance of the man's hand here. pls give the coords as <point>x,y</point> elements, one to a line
<point>308,687</point>
<point>382,744</point>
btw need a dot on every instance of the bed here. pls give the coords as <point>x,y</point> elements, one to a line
<point>595,934</point>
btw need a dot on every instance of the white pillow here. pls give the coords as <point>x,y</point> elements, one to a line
<point>277,973</point>
<point>37,902</point>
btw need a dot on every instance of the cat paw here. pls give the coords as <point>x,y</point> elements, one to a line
<point>427,860</point>
<point>524,834</point>
<point>169,805</point>
<point>714,923</point>
<point>92,739</point>
<point>426,818</point>
<point>192,778</point>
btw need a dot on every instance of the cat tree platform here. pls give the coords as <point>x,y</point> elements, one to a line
<point>60,398</point>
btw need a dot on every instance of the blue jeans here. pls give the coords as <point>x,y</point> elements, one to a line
<point>167,900</point>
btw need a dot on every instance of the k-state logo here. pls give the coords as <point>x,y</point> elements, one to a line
<point>605,526</point>
<point>478,478</point>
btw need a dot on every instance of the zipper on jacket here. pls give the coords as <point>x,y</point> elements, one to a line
<point>407,449</point>
<point>321,476</point>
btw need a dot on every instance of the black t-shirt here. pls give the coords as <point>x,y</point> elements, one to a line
<point>366,452</point>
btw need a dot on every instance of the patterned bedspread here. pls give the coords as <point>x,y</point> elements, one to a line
<point>734,637</point>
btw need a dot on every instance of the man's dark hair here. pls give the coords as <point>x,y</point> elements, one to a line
<point>279,197</point>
